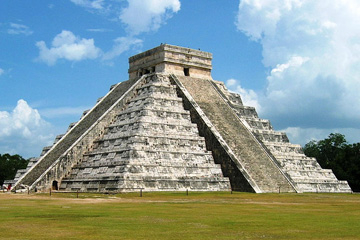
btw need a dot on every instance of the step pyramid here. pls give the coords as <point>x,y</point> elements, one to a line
<point>150,144</point>
<point>170,127</point>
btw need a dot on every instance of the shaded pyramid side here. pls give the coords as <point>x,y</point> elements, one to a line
<point>305,172</point>
<point>237,143</point>
<point>150,144</point>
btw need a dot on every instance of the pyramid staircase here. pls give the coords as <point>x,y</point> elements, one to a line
<point>305,172</point>
<point>170,127</point>
<point>150,144</point>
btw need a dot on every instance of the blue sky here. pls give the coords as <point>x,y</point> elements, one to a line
<point>296,61</point>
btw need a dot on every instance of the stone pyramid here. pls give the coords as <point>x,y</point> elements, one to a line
<point>170,127</point>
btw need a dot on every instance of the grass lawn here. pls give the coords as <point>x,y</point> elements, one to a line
<point>178,216</point>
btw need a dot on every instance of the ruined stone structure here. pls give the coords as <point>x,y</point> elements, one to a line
<point>170,127</point>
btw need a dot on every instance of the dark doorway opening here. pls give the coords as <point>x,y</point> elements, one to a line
<point>187,71</point>
<point>55,185</point>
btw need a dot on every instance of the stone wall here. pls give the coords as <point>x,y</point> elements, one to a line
<point>171,59</point>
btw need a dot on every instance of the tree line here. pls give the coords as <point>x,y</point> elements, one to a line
<point>9,164</point>
<point>335,153</point>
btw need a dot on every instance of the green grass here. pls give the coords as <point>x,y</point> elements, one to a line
<point>177,216</point>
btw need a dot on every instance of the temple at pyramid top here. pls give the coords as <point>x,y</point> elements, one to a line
<point>171,127</point>
<point>171,59</point>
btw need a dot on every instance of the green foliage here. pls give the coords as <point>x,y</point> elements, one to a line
<point>335,153</point>
<point>9,164</point>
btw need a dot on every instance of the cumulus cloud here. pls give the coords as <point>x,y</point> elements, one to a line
<point>147,15</point>
<point>16,29</point>
<point>121,45</point>
<point>138,16</point>
<point>248,96</point>
<point>23,131</point>
<point>67,46</point>
<point>313,51</point>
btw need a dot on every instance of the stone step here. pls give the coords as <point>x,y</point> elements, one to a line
<point>254,159</point>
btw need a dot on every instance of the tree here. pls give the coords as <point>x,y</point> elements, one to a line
<point>335,153</point>
<point>9,164</point>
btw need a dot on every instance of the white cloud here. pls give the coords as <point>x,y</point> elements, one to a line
<point>68,46</point>
<point>248,97</point>
<point>147,15</point>
<point>23,131</point>
<point>63,111</point>
<point>313,51</point>
<point>138,16</point>
<point>16,28</point>
<point>1,71</point>
<point>121,45</point>
<point>230,83</point>
<point>293,62</point>
<point>95,4</point>
<point>304,135</point>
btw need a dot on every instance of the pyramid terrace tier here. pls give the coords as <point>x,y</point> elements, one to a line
<point>146,117</point>
<point>284,149</point>
<point>125,129</point>
<point>160,90</point>
<point>271,136</point>
<point>152,113</point>
<point>151,142</point>
<point>151,156</point>
<point>313,174</point>
<point>159,162</point>
<point>158,102</point>
<point>332,187</point>
<point>147,184</point>
<point>144,170</point>
<point>258,123</point>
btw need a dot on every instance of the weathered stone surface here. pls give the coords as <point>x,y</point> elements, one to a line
<point>151,144</point>
<point>305,173</point>
<point>252,158</point>
<point>171,128</point>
